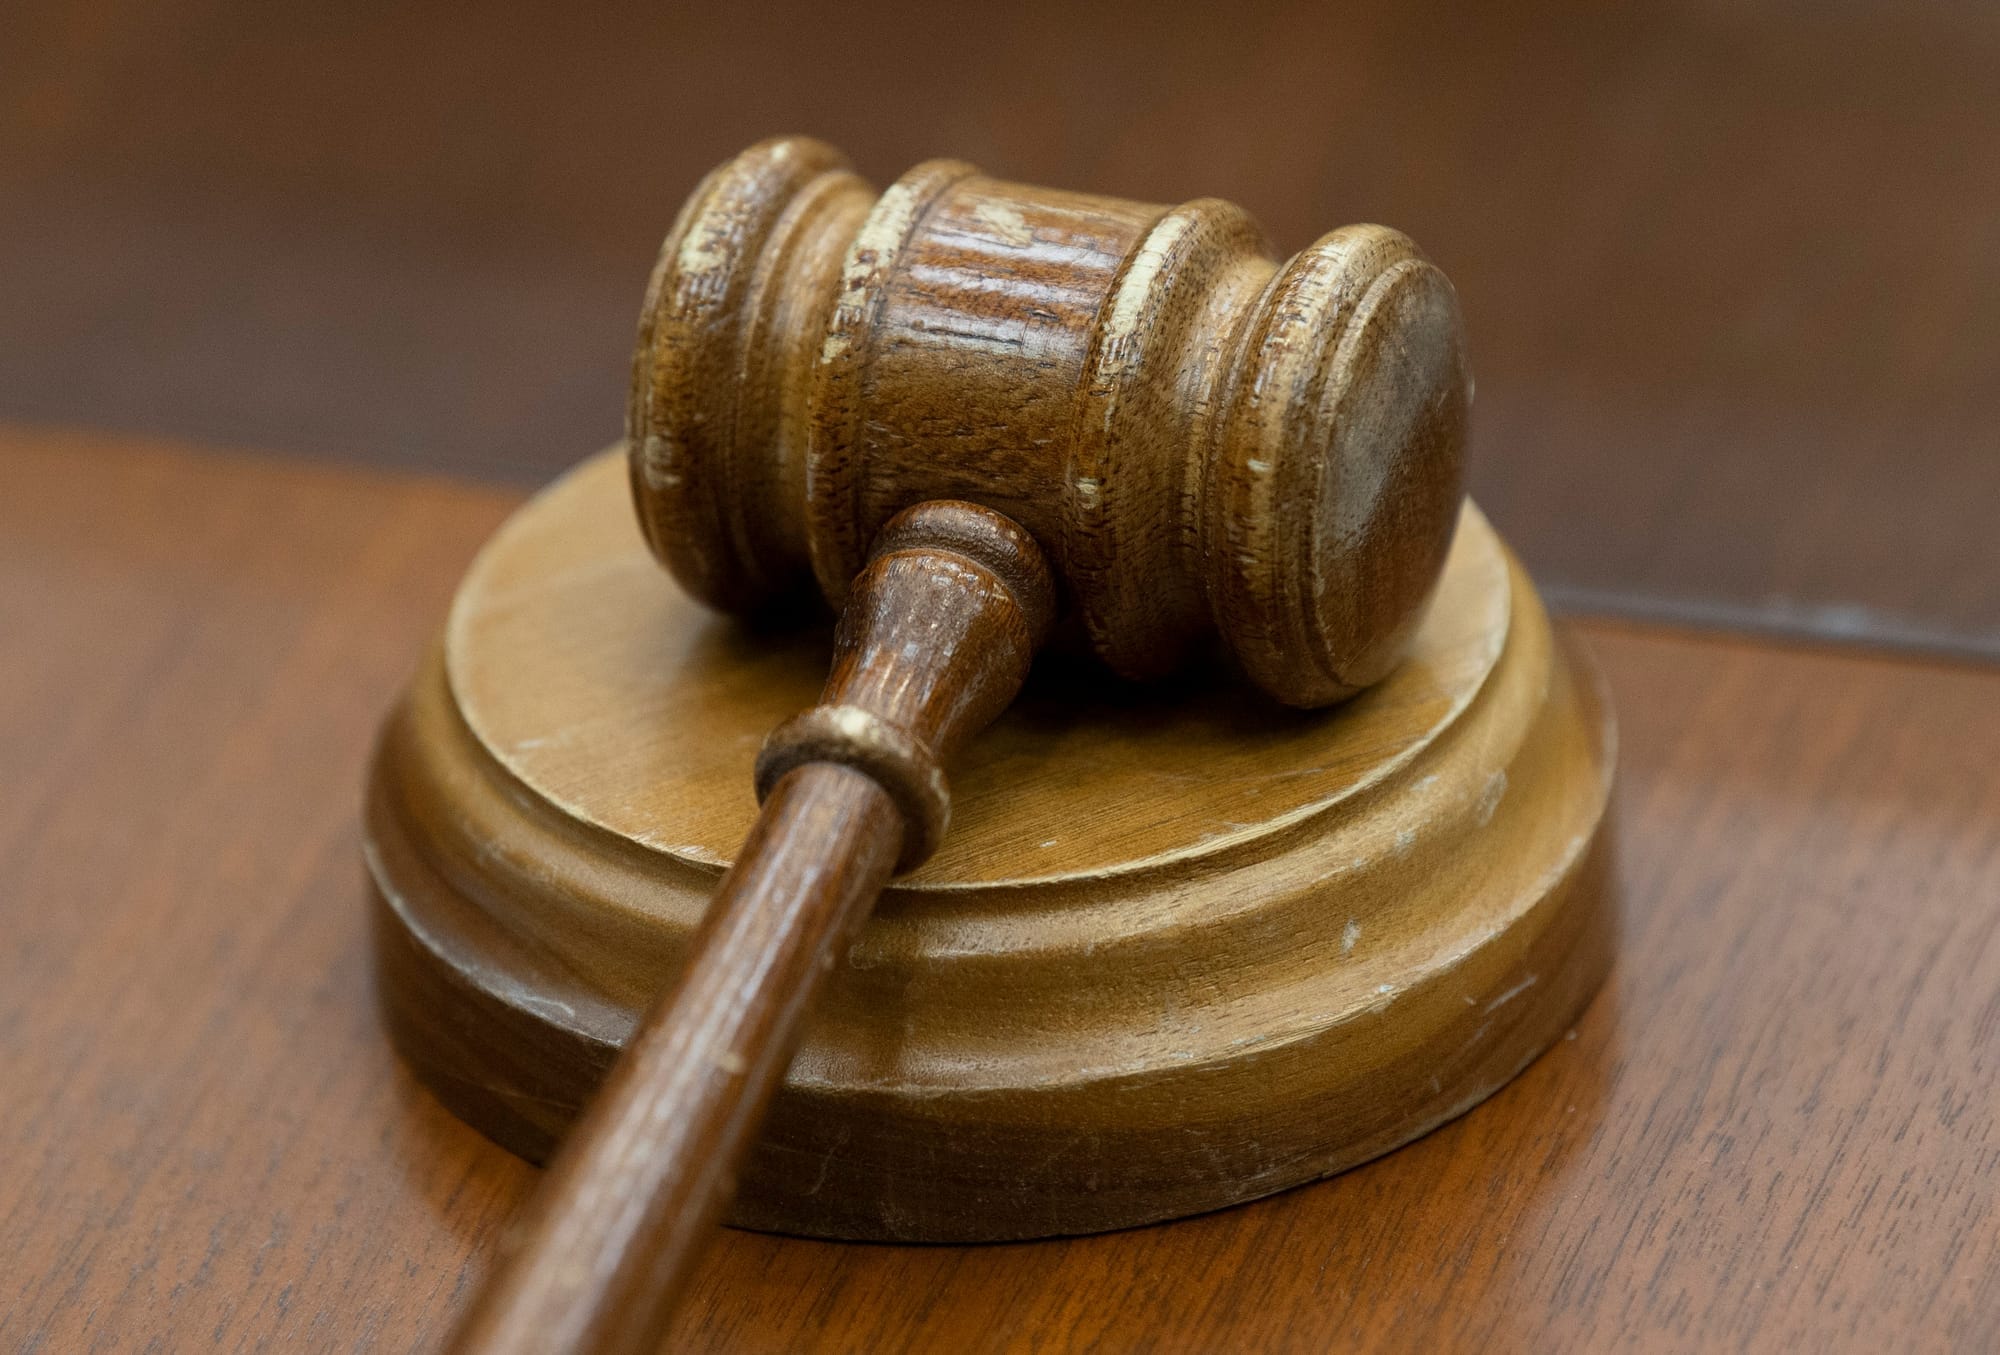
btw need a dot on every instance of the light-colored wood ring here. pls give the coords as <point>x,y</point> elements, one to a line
<point>863,740</point>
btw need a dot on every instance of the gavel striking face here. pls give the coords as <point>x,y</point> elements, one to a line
<point>960,406</point>
<point>1201,438</point>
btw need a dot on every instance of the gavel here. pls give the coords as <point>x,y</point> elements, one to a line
<point>967,410</point>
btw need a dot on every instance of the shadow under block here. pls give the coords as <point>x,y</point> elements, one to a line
<point>1181,948</point>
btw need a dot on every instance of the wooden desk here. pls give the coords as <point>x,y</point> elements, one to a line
<point>1774,1130</point>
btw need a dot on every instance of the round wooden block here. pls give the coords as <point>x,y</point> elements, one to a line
<point>1181,947</point>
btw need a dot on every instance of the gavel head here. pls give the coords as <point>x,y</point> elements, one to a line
<point>1203,440</point>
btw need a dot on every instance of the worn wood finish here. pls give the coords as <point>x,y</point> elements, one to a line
<point>1273,451</point>
<point>936,639</point>
<point>609,1239</point>
<point>1769,1131</point>
<point>1207,440</point>
<point>1180,948</point>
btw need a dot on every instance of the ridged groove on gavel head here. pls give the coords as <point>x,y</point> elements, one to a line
<point>940,627</point>
<point>1206,440</point>
<point>727,338</point>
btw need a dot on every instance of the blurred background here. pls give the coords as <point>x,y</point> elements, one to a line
<point>1732,271</point>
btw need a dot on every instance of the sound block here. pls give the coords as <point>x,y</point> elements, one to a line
<point>1181,947</point>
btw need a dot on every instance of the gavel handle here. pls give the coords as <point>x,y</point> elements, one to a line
<point>623,1215</point>
<point>935,639</point>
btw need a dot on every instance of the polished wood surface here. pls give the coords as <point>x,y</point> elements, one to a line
<point>935,640</point>
<point>1181,947</point>
<point>1730,269</point>
<point>1772,1130</point>
<point>929,390</point>
<point>603,1252</point>
<point>924,389</point>
<point>1207,441</point>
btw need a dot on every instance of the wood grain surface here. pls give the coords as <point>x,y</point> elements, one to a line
<point>1177,951</point>
<point>1730,271</point>
<point>938,633</point>
<point>1207,440</point>
<point>1774,1130</point>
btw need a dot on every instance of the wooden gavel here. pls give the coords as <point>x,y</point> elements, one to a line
<point>960,406</point>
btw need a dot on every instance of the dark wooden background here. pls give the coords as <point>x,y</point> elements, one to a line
<point>1733,275</point>
<point>1733,270</point>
